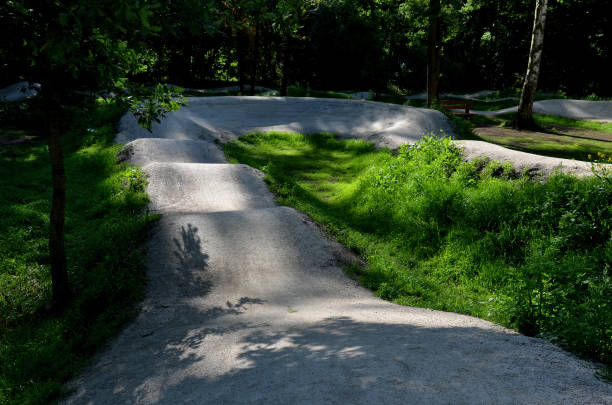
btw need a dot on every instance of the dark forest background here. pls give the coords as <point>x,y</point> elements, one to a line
<point>376,45</point>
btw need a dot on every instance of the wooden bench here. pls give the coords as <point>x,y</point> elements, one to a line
<point>451,105</point>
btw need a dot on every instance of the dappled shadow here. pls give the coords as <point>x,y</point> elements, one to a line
<point>189,252</point>
<point>191,263</point>
<point>177,263</point>
<point>342,360</point>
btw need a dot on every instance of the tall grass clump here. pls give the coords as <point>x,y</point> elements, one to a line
<point>471,237</point>
<point>543,249</point>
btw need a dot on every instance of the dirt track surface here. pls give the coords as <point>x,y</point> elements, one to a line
<point>247,303</point>
<point>18,91</point>
<point>542,166</point>
<point>224,118</point>
<point>576,109</point>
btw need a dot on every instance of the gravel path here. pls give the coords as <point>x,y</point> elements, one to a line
<point>247,301</point>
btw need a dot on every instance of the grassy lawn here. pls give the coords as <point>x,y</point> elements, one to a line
<point>105,225</point>
<point>441,233</point>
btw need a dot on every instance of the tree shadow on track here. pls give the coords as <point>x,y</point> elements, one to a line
<point>342,360</point>
<point>186,273</point>
<point>190,253</point>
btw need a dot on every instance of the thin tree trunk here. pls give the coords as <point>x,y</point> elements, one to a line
<point>59,274</point>
<point>255,58</point>
<point>269,69</point>
<point>524,118</point>
<point>240,55</point>
<point>433,53</point>
<point>285,68</point>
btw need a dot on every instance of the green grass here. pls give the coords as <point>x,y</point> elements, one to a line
<point>493,105</point>
<point>557,146</point>
<point>577,144</point>
<point>105,225</point>
<point>441,233</point>
<point>546,121</point>
<point>476,105</point>
<point>296,91</point>
<point>557,121</point>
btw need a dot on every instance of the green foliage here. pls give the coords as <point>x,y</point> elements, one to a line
<point>296,91</point>
<point>66,45</point>
<point>330,43</point>
<point>150,106</point>
<point>469,237</point>
<point>557,121</point>
<point>105,225</point>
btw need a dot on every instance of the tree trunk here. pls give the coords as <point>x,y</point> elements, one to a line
<point>59,274</point>
<point>524,118</point>
<point>269,64</point>
<point>285,68</point>
<point>240,54</point>
<point>433,53</point>
<point>255,61</point>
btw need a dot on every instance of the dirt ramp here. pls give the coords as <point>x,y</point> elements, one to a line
<point>543,166</point>
<point>143,151</point>
<point>272,254</point>
<point>197,187</point>
<point>225,118</point>
<point>577,109</point>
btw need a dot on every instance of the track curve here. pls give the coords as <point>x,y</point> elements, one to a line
<point>247,303</point>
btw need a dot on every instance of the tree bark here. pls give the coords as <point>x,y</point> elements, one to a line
<point>433,53</point>
<point>285,68</point>
<point>240,55</point>
<point>59,274</point>
<point>524,118</point>
<point>254,45</point>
